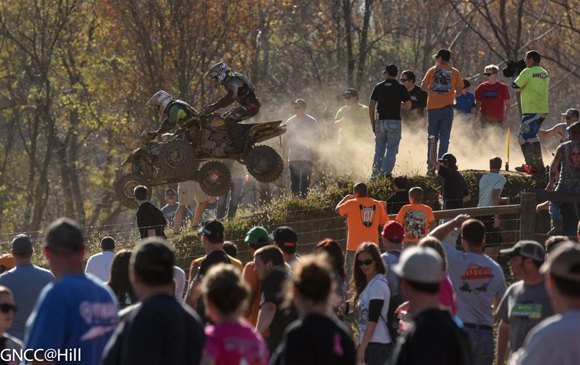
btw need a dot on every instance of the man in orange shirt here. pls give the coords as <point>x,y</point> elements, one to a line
<point>364,218</point>
<point>441,82</point>
<point>417,218</point>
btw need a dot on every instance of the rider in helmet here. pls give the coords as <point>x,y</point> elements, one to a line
<point>173,111</point>
<point>239,89</point>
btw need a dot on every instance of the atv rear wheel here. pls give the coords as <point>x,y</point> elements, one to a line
<point>124,185</point>
<point>264,164</point>
<point>176,159</point>
<point>214,178</point>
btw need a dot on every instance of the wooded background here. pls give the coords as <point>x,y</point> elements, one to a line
<point>75,74</point>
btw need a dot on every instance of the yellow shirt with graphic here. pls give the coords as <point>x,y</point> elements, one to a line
<point>534,83</point>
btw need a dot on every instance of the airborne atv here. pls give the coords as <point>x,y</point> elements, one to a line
<point>202,138</point>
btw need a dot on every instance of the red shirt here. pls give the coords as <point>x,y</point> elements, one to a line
<point>492,98</point>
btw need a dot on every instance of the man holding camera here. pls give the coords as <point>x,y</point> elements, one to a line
<point>533,82</point>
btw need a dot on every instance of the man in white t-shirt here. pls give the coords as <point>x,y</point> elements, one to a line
<point>299,142</point>
<point>490,187</point>
<point>99,264</point>
<point>555,340</point>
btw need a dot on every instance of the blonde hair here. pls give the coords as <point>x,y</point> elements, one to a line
<point>491,69</point>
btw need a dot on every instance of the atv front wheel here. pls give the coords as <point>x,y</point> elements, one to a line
<point>214,178</point>
<point>264,164</point>
<point>124,185</point>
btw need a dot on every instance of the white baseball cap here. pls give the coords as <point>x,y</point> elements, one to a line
<point>420,264</point>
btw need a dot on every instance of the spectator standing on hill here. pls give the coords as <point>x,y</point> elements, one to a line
<point>191,194</point>
<point>26,281</point>
<point>228,203</point>
<point>150,220</point>
<point>351,119</point>
<point>388,98</point>
<point>566,168</point>
<point>100,264</point>
<point>273,317</point>
<point>455,189</point>
<point>441,82</point>
<point>465,101</point>
<point>161,331</point>
<point>316,338</point>
<point>371,295</point>
<point>526,302</point>
<point>561,129</point>
<point>401,196</point>
<point>555,339</point>
<point>299,146</point>
<point>418,100</point>
<point>417,218</point>
<point>534,82</point>
<point>432,337</point>
<point>492,99</point>
<point>364,217</point>
<point>169,210</point>
<point>490,188</point>
<point>478,281</point>
<point>256,238</point>
<point>231,339</point>
<point>74,298</point>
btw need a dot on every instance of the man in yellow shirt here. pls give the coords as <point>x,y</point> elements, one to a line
<point>441,82</point>
<point>533,82</point>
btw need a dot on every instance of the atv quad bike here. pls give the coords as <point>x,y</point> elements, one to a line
<point>190,154</point>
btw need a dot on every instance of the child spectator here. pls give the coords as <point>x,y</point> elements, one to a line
<point>417,218</point>
<point>465,103</point>
<point>231,340</point>
<point>401,196</point>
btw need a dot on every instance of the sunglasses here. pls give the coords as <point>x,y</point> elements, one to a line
<point>488,74</point>
<point>5,308</point>
<point>364,262</point>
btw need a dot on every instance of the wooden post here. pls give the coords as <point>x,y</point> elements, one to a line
<point>528,216</point>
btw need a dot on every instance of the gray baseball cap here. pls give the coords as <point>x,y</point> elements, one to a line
<point>21,245</point>
<point>564,262</point>
<point>420,264</point>
<point>526,248</point>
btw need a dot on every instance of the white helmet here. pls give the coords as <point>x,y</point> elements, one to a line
<point>218,71</point>
<point>161,100</point>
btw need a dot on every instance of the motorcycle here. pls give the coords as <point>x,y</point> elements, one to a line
<point>191,153</point>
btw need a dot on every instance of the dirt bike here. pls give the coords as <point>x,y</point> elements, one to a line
<point>190,153</point>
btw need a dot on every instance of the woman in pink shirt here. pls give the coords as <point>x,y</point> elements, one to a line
<point>231,340</point>
<point>446,292</point>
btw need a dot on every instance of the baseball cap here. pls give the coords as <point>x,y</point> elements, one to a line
<point>572,113</point>
<point>213,230</point>
<point>108,243</point>
<point>448,157</point>
<point>351,92</point>
<point>21,245</point>
<point>526,248</point>
<point>257,237</point>
<point>564,262</point>
<point>7,260</point>
<point>419,264</point>
<point>285,238</point>
<point>393,231</point>
<point>445,54</point>
<point>300,102</point>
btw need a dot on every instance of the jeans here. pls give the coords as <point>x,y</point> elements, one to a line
<point>482,345</point>
<point>439,125</point>
<point>378,353</point>
<point>387,138</point>
<point>300,172</point>
<point>235,194</point>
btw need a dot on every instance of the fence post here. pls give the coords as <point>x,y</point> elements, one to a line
<point>528,216</point>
